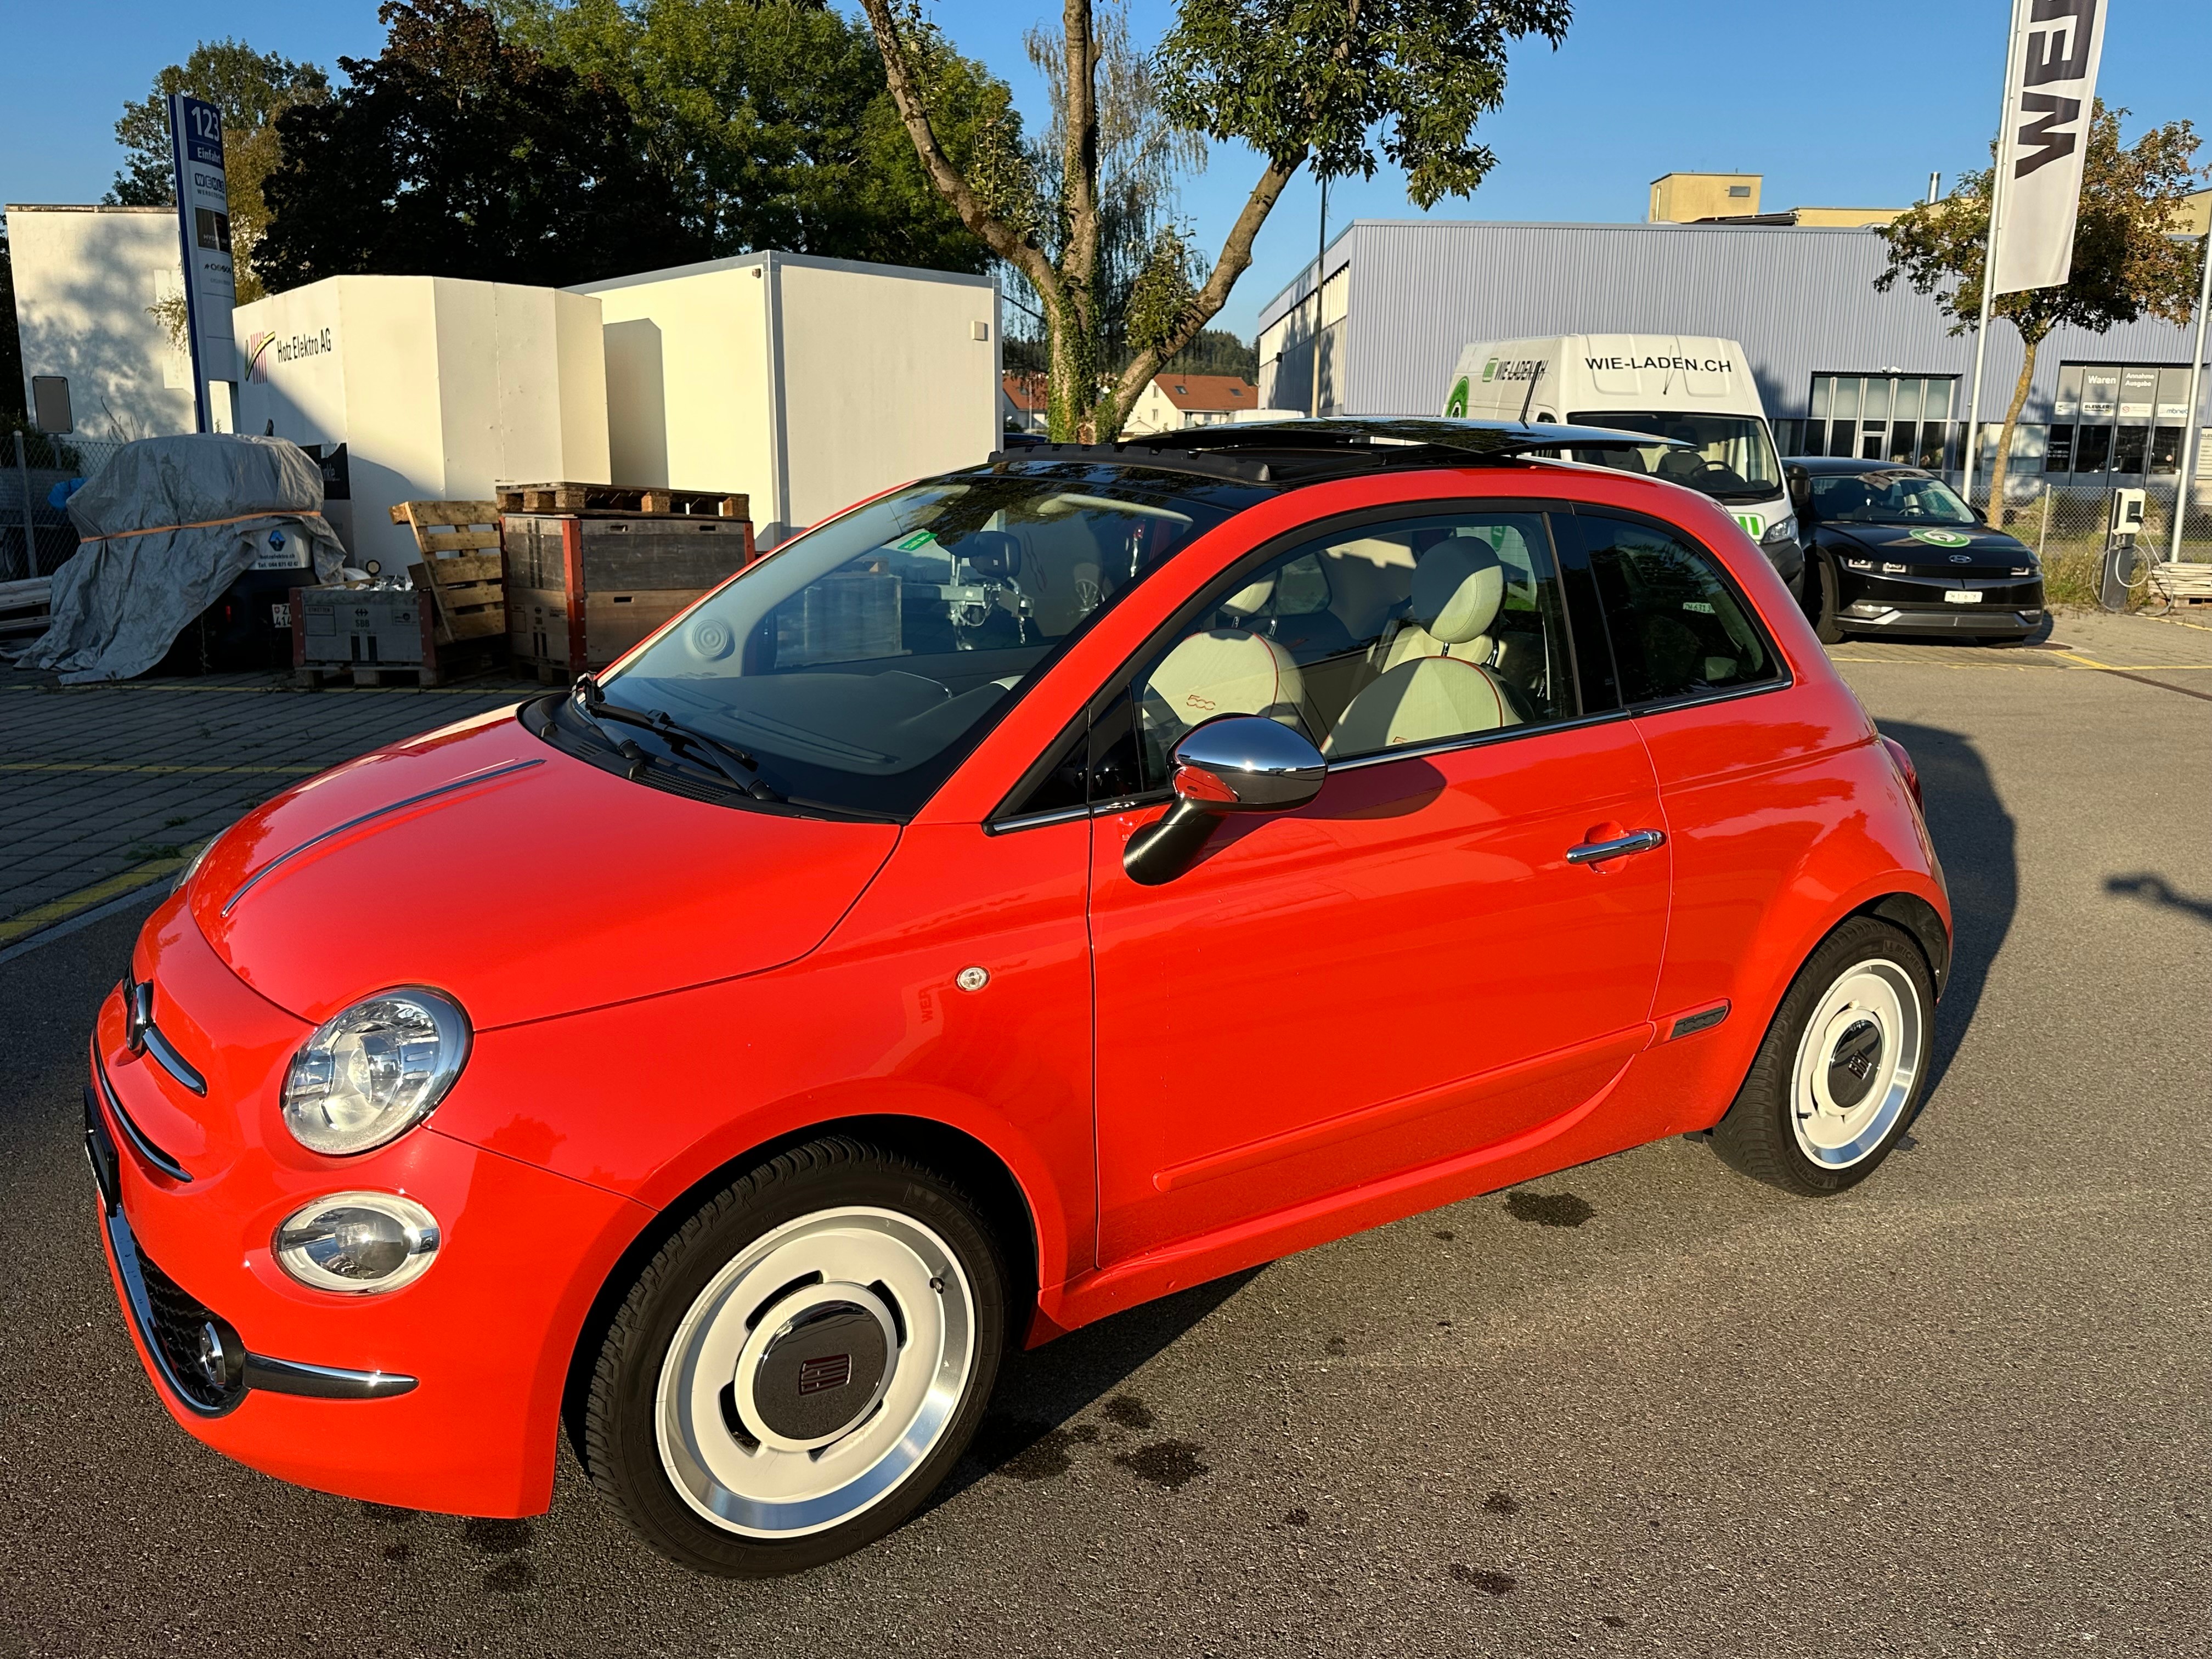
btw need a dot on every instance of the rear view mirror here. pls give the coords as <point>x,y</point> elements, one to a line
<point>1237,763</point>
<point>993,554</point>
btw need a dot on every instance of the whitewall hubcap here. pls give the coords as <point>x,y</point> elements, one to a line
<point>815,1372</point>
<point>1857,1063</point>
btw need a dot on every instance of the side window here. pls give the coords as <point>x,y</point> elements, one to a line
<point>1406,632</point>
<point>1678,629</point>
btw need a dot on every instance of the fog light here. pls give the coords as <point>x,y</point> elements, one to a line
<point>358,1242</point>
<point>1867,608</point>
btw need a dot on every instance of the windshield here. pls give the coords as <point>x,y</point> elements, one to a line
<point>1731,458</point>
<point>1886,498</point>
<point>855,666</point>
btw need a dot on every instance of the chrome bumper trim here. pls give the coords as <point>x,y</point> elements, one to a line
<point>259,1370</point>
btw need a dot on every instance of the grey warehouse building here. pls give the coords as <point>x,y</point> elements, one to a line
<point>1842,370</point>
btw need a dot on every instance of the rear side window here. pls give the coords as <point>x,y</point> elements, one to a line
<point>1679,629</point>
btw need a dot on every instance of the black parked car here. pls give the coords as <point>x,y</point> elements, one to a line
<point>1892,550</point>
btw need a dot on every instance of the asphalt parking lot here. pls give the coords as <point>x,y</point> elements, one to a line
<point>1643,1406</point>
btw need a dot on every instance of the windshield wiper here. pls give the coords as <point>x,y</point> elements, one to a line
<point>723,757</point>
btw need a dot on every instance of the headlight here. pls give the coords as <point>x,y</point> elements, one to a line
<point>375,1071</point>
<point>2023,571</point>
<point>1782,530</point>
<point>359,1242</point>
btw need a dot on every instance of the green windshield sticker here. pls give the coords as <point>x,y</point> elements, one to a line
<point>1456,405</point>
<point>915,543</point>
<point>1941,538</point>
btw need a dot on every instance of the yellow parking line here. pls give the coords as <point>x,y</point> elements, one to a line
<point>84,898</point>
<point>126,766</point>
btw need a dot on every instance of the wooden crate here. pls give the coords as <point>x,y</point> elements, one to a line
<point>621,498</point>
<point>461,567</point>
<point>582,588</point>
<point>2183,584</point>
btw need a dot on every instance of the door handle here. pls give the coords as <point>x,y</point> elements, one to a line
<point>1596,851</point>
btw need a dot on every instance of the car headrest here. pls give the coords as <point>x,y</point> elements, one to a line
<point>1458,586</point>
<point>1226,670</point>
<point>1250,601</point>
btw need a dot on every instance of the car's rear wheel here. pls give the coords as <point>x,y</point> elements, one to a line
<point>1843,1066</point>
<point>800,1365</point>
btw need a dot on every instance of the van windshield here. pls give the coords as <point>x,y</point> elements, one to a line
<point>1731,458</point>
<point>852,669</point>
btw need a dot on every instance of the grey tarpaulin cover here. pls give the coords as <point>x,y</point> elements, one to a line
<point>167,524</point>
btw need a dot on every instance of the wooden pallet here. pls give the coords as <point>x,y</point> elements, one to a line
<point>460,567</point>
<point>2182,585</point>
<point>621,498</point>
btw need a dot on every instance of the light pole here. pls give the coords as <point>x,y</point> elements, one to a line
<point>2182,480</point>
<point>1321,255</point>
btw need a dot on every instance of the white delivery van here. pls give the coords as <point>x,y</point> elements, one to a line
<point>1688,386</point>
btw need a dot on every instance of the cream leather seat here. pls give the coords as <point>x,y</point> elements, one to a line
<point>1443,570</point>
<point>1226,670</point>
<point>1435,684</point>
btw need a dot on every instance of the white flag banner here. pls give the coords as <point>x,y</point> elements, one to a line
<point>2051,92</point>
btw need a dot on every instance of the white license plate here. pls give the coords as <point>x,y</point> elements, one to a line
<point>1962,596</point>
<point>280,615</point>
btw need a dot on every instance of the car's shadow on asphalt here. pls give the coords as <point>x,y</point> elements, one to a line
<point>1032,1426</point>
<point>1977,841</point>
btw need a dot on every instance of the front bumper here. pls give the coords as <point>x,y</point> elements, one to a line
<point>1915,604</point>
<point>442,1395</point>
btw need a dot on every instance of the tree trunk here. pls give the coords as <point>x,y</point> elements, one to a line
<point>2029,343</point>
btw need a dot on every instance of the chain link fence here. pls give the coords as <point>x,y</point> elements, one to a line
<point>35,468</point>
<point>2069,528</point>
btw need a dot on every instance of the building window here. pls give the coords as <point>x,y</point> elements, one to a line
<point>1903,419</point>
<point>2114,423</point>
<point>49,404</point>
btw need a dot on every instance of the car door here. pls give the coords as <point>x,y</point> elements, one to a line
<point>1419,963</point>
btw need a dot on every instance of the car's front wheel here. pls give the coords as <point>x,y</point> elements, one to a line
<point>800,1365</point>
<point>1843,1066</point>
<point>1826,606</point>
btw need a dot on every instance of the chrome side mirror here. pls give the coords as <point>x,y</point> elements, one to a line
<point>1237,763</point>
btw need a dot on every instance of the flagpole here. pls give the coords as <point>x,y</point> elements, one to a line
<point>1998,194</point>
<point>2182,484</point>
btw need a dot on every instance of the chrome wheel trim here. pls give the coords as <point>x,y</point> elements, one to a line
<point>1857,1063</point>
<point>870,1257</point>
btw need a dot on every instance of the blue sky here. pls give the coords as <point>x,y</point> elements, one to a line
<point>1851,105</point>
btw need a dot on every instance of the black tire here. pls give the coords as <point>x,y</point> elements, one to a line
<point>1827,626</point>
<point>1760,1135</point>
<point>621,1448</point>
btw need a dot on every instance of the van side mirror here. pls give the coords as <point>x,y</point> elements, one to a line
<point>1237,763</point>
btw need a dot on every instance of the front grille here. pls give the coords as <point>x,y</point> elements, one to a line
<point>178,1319</point>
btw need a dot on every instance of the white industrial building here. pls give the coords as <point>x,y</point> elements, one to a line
<point>439,388</point>
<point>96,361</point>
<point>1842,368</point>
<point>807,383</point>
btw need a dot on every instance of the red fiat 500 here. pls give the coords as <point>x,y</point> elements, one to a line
<point>1040,889</point>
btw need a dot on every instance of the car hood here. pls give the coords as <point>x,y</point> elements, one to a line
<point>1987,550</point>
<point>482,862</point>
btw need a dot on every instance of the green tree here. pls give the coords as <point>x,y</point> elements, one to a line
<point>1216,351</point>
<point>774,118</point>
<point>2127,260</point>
<point>456,152</point>
<point>1328,82</point>
<point>252,88</point>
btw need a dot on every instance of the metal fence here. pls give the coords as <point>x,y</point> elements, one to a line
<point>36,531</point>
<point>2070,529</point>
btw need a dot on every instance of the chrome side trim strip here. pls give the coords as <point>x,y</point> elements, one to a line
<point>131,1133</point>
<point>1036,820</point>
<point>283,858</point>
